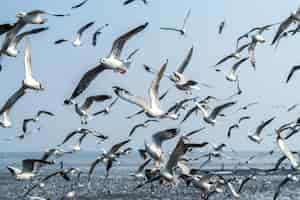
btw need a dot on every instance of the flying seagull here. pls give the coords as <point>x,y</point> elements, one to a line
<point>221,27</point>
<point>107,158</point>
<point>211,118</point>
<point>256,136</point>
<point>292,71</point>
<point>80,4</point>
<point>130,1</point>
<point>182,30</point>
<point>29,169</point>
<point>152,108</point>
<point>35,119</point>
<point>232,76</point>
<point>111,62</point>
<point>145,124</point>
<point>77,42</point>
<point>82,110</point>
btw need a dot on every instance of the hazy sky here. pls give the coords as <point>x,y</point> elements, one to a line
<point>60,67</point>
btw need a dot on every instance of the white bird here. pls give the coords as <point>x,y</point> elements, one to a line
<point>286,151</point>
<point>29,169</point>
<point>111,62</point>
<point>151,108</point>
<point>211,118</point>
<point>82,110</point>
<point>182,30</point>
<point>256,136</point>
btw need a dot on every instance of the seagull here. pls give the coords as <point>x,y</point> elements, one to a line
<point>234,126</point>
<point>107,158</point>
<point>182,30</point>
<point>154,146</point>
<point>292,71</point>
<point>286,151</point>
<point>64,173</point>
<point>151,108</point>
<point>236,54</point>
<point>256,136</point>
<point>29,169</point>
<point>232,76</point>
<point>251,48</point>
<point>287,179</point>
<point>77,42</point>
<point>107,109</point>
<point>130,1</point>
<point>98,32</point>
<point>145,124</point>
<point>35,118</point>
<point>142,110</point>
<point>258,29</point>
<point>221,27</point>
<point>82,110</point>
<point>211,118</point>
<point>80,4</point>
<point>12,47</point>
<point>29,81</point>
<point>112,62</point>
<point>83,132</point>
<point>293,18</point>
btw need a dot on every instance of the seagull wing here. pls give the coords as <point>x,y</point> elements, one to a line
<point>117,146</point>
<point>186,18</point>
<point>44,112</point>
<point>33,31</point>
<point>134,128</point>
<point>164,135</point>
<point>263,125</point>
<point>120,42</point>
<point>83,28</point>
<point>217,110</point>
<point>224,59</point>
<point>292,71</point>
<point>92,168</point>
<point>69,136</point>
<point>25,123</point>
<point>154,88</point>
<point>80,4</point>
<point>188,114</point>
<point>186,61</point>
<point>86,80</point>
<point>280,185</point>
<point>13,99</point>
<point>283,26</point>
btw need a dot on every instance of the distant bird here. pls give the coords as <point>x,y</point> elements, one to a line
<point>153,146</point>
<point>244,118</point>
<point>292,71</point>
<point>211,118</point>
<point>107,158</point>
<point>182,30</point>
<point>293,18</point>
<point>256,136</point>
<point>111,62</point>
<point>221,27</point>
<point>145,124</point>
<point>152,108</point>
<point>130,1</point>
<point>80,4</point>
<point>246,107</point>
<point>77,42</point>
<point>35,119</point>
<point>98,32</point>
<point>83,132</point>
<point>82,110</point>
<point>234,126</point>
<point>236,54</point>
<point>29,169</point>
<point>292,107</point>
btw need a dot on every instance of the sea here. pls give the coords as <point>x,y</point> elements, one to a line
<point>120,185</point>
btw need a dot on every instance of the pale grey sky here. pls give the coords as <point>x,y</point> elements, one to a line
<point>60,67</point>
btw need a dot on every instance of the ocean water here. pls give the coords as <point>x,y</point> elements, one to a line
<point>119,185</point>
